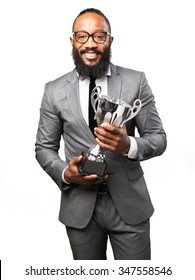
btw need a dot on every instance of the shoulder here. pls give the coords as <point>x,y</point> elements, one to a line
<point>126,72</point>
<point>128,75</point>
<point>61,82</point>
<point>55,90</point>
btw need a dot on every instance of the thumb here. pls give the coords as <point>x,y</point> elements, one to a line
<point>76,160</point>
<point>124,128</point>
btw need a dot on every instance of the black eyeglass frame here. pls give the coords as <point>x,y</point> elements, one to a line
<point>91,35</point>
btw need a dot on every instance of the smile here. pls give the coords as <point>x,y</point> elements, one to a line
<point>90,55</point>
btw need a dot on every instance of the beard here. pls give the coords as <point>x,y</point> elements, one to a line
<point>96,71</point>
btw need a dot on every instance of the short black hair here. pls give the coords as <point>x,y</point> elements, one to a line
<point>92,10</point>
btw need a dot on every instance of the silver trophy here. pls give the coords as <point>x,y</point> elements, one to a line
<point>107,110</point>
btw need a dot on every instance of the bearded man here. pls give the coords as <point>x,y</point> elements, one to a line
<point>116,206</point>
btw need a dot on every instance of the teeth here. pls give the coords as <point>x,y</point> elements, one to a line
<point>90,55</point>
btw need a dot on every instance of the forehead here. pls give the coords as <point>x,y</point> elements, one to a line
<point>90,22</point>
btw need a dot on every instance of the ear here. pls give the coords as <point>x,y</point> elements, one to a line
<point>111,39</point>
<point>71,40</point>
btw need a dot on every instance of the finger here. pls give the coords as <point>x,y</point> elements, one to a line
<point>108,138</point>
<point>104,134</point>
<point>109,127</point>
<point>106,145</point>
<point>91,177</point>
<point>76,160</point>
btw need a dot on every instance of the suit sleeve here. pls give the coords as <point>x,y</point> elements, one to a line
<point>152,141</point>
<point>48,140</point>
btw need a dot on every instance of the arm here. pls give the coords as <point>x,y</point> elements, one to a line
<point>152,140</point>
<point>48,141</point>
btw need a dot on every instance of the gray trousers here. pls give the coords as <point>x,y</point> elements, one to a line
<point>128,242</point>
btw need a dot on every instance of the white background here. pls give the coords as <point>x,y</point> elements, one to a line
<point>153,36</point>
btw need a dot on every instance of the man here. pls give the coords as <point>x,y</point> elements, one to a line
<point>118,206</point>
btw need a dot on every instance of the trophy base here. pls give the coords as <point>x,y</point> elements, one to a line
<point>89,167</point>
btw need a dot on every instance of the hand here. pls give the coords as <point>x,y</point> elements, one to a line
<point>113,138</point>
<point>72,175</point>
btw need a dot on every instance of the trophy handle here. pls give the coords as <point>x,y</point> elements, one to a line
<point>134,110</point>
<point>95,96</point>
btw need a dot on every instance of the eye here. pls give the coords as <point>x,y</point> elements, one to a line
<point>81,36</point>
<point>100,36</point>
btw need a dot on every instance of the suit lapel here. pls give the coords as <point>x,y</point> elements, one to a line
<point>114,83</point>
<point>73,98</point>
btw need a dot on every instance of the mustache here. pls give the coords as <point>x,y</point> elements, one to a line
<point>94,50</point>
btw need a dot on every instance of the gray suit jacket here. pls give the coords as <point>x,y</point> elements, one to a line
<point>61,115</point>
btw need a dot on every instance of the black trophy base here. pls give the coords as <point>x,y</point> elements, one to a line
<point>89,167</point>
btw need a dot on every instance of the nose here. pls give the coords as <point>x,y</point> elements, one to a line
<point>90,43</point>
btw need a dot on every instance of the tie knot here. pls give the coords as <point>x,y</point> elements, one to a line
<point>92,78</point>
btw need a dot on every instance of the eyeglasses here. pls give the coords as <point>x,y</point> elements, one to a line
<point>83,36</point>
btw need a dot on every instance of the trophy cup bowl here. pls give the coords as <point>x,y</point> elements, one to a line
<point>107,110</point>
